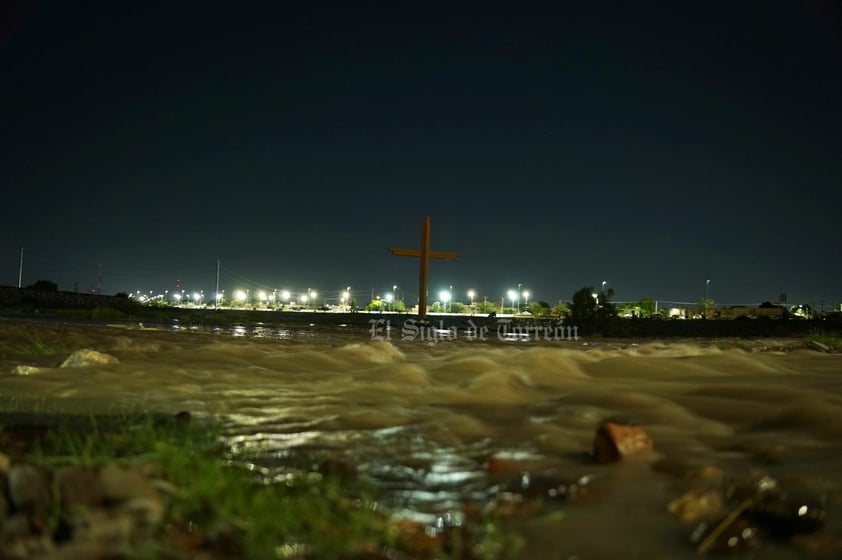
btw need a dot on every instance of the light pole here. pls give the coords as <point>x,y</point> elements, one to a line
<point>526,299</point>
<point>390,299</point>
<point>603,286</point>
<point>471,295</point>
<point>445,299</point>
<point>707,290</point>
<point>513,296</point>
<point>518,300</point>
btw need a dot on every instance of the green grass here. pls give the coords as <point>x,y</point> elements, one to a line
<point>34,342</point>
<point>827,337</point>
<point>37,340</point>
<point>243,511</point>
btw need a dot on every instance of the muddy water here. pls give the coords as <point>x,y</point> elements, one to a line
<point>421,420</point>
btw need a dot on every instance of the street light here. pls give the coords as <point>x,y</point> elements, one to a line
<point>526,299</point>
<point>389,299</point>
<point>513,296</point>
<point>444,295</point>
<point>707,289</point>
<point>518,299</point>
<point>603,286</point>
<point>471,295</point>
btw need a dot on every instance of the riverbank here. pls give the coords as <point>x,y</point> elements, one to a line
<point>31,304</point>
<point>443,432</point>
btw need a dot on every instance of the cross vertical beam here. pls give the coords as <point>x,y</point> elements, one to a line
<point>424,254</point>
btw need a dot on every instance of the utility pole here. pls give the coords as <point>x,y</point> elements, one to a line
<point>216,295</point>
<point>20,270</point>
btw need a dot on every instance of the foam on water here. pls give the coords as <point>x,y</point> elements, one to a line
<point>421,419</point>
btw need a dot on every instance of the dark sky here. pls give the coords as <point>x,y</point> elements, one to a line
<point>650,145</point>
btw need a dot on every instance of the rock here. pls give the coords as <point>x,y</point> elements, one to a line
<point>86,550</point>
<point>103,526</point>
<point>816,345</point>
<point>615,441</point>
<point>29,488</point>
<point>5,463</point>
<point>34,548</point>
<point>79,486</point>
<point>25,370</point>
<point>16,527</point>
<point>121,484</point>
<point>4,501</point>
<point>147,512</point>
<point>697,505</point>
<point>87,358</point>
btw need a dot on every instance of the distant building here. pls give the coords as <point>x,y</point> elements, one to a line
<point>751,312</point>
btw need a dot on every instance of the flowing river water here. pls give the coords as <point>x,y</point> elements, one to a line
<point>420,420</point>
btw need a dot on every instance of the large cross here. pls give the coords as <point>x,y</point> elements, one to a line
<point>425,255</point>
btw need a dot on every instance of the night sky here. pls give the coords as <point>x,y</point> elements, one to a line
<point>650,145</point>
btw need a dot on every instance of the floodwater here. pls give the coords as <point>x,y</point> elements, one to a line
<point>420,420</point>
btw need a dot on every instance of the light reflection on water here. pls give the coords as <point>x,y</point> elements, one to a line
<point>420,422</point>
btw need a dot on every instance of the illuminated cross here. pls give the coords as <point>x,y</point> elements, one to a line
<point>425,255</point>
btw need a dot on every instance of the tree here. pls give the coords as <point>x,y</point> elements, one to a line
<point>706,306</point>
<point>485,307</point>
<point>560,310</point>
<point>43,286</point>
<point>591,310</point>
<point>375,305</point>
<point>458,307</point>
<point>647,306</point>
<point>539,308</point>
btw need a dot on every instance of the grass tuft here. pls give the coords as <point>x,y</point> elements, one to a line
<point>224,506</point>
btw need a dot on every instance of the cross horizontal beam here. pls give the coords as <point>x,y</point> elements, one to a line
<point>417,253</point>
